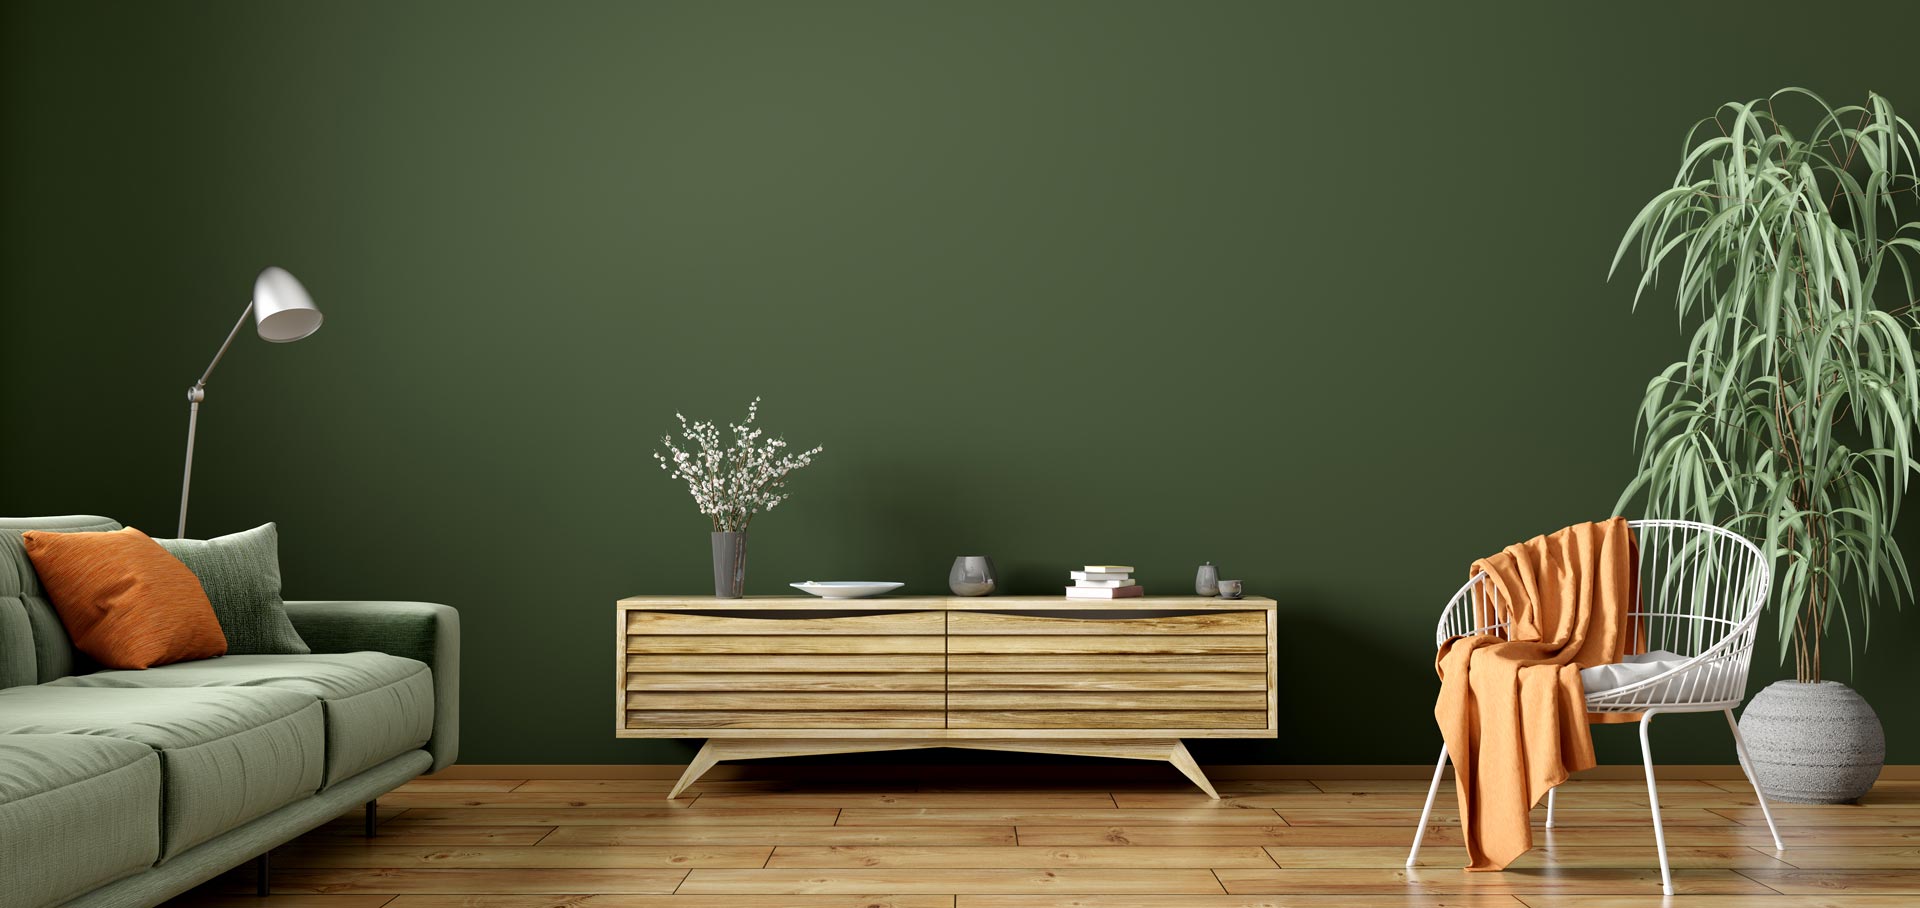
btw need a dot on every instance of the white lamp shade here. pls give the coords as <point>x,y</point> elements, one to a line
<point>282,310</point>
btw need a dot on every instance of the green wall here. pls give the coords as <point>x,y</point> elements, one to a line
<point>1313,291</point>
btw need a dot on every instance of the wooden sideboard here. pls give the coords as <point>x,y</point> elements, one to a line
<point>793,676</point>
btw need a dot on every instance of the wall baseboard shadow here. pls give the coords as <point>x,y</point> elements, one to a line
<point>1054,773</point>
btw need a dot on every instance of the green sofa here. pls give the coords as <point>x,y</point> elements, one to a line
<point>126,788</point>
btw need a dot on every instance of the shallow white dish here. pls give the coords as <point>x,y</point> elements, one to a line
<point>847,589</point>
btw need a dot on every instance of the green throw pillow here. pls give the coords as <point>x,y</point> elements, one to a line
<point>241,574</point>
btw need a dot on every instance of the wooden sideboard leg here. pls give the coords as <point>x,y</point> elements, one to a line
<point>709,754</point>
<point>1169,750</point>
<point>1183,760</point>
<point>717,749</point>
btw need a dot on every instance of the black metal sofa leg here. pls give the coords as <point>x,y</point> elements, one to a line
<point>263,866</point>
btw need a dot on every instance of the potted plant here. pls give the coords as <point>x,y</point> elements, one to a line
<point>731,483</point>
<point>1792,255</point>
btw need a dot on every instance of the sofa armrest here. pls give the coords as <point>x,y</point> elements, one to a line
<point>415,630</point>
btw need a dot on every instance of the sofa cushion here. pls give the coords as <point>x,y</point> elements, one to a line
<point>76,812</point>
<point>227,754</point>
<point>33,643</point>
<point>241,574</point>
<point>125,600</point>
<point>377,706</point>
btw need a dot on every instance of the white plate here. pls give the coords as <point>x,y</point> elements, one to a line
<point>847,589</point>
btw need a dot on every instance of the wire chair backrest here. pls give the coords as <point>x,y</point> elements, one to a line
<point>1700,594</point>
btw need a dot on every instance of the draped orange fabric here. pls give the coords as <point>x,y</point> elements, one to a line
<point>1513,711</point>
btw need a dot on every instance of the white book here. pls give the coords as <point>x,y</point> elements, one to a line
<point>1100,575</point>
<point>1102,584</point>
<point>1110,568</point>
<point>1112,592</point>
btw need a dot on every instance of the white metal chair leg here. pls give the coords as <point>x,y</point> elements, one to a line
<point>1746,766</point>
<point>1653,800</point>
<point>1420,832</point>
<point>1550,793</point>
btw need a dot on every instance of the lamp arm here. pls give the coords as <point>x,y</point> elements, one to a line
<point>195,395</point>
<point>202,383</point>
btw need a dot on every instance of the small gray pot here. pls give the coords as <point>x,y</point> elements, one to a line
<point>1814,743</point>
<point>1206,581</point>
<point>729,565</point>
<point>973,575</point>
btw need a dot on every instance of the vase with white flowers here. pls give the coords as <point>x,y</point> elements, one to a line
<point>732,482</point>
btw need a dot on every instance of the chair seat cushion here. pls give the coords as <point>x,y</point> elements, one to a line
<point>76,812</point>
<point>227,754</point>
<point>1633,669</point>
<point>377,706</point>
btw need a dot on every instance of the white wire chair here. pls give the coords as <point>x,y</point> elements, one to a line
<point>1701,592</point>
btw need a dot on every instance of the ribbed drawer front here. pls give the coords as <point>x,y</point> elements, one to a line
<point>669,623</point>
<point>925,680</point>
<point>780,719</point>
<point>1172,720</point>
<point>977,623</point>
<point>693,671</point>
<point>1169,672</point>
<point>1103,663</point>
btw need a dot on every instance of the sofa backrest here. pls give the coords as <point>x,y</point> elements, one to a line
<point>33,644</point>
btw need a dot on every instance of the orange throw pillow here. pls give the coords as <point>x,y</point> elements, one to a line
<point>125,601</point>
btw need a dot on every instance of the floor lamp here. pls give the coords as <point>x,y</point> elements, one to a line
<point>282,313</point>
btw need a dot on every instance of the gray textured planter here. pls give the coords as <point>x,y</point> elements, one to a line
<point>1813,743</point>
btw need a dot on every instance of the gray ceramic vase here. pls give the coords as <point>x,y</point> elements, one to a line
<point>729,565</point>
<point>1206,581</point>
<point>1813,743</point>
<point>972,575</point>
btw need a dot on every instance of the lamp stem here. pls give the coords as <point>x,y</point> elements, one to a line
<point>186,478</point>
<point>195,395</point>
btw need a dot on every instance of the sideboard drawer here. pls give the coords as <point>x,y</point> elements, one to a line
<point>686,671</point>
<point>775,720</point>
<point>1183,671</point>
<point>738,663</point>
<point>776,644</point>
<point>1117,645</point>
<point>1008,701</point>
<point>756,709</point>
<point>931,624</point>
<point>1129,663</point>
<point>672,633</point>
<point>1172,721</point>
<point>973,623</point>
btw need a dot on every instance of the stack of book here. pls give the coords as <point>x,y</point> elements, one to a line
<point>1104,581</point>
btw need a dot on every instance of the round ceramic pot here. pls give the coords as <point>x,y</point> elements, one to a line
<point>972,575</point>
<point>1814,743</point>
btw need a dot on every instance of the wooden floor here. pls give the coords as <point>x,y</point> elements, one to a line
<point>552,843</point>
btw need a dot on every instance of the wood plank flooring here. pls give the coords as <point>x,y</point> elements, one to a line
<point>1338,843</point>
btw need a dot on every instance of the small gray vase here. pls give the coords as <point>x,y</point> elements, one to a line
<point>1814,743</point>
<point>729,565</point>
<point>972,575</point>
<point>1206,582</point>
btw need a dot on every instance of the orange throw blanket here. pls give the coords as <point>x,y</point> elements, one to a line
<point>1513,712</point>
